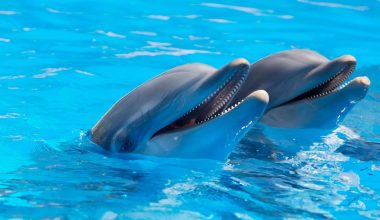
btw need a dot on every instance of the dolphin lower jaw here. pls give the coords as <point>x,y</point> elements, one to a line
<point>227,130</point>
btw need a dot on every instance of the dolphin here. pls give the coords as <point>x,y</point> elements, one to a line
<point>182,113</point>
<point>306,89</point>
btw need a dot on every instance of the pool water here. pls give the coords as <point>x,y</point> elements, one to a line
<point>64,63</point>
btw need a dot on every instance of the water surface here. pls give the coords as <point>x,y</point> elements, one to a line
<point>64,63</point>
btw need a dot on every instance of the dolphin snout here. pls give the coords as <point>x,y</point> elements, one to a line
<point>345,60</point>
<point>239,61</point>
<point>260,95</point>
<point>361,82</point>
<point>364,81</point>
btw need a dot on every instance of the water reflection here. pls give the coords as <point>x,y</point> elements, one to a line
<point>334,5</point>
<point>292,180</point>
<point>164,49</point>
<point>261,178</point>
<point>249,10</point>
<point>361,149</point>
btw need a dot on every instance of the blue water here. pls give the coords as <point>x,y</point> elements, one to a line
<point>64,63</point>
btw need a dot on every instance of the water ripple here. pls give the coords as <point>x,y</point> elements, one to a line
<point>8,12</point>
<point>218,20</point>
<point>84,73</point>
<point>145,33</point>
<point>49,72</point>
<point>159,17</point>
<point>334,5</point>
<point>12,77</point>
<point>249,10</point>
<point>5,40</point>
<point>164,49</point>
<point>110,34</point>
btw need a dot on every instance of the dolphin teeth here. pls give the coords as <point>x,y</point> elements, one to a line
<point>329,86</point>
<point>221,101</point>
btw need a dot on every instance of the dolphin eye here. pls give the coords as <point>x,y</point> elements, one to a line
<point>127,146</point>
<point>123,142</point>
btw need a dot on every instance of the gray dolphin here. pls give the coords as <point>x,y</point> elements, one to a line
<point>182,113</point>
<point>306,89</point>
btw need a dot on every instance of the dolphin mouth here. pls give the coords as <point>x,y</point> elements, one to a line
<point>215,105</point>
<point>327,87</point>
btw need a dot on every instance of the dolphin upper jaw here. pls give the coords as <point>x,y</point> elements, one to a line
<point>320,112</point>
<point>321,80</point>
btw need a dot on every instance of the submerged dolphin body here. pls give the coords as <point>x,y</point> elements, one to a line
<point>305,88</point>
<point>183,113</point>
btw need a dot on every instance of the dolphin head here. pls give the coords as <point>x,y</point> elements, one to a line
<point>183,98</point>
<point>306,88</point>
